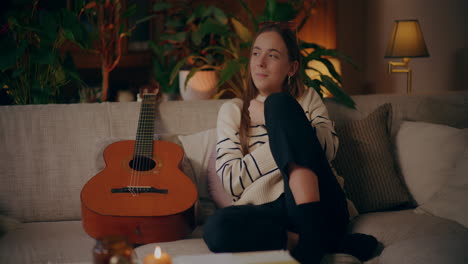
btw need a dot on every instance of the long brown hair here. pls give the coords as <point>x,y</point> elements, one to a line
<point>295,87</point>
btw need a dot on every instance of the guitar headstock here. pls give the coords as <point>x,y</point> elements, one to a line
<point>150,89</point>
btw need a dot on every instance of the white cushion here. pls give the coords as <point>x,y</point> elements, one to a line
<point>215,187</point>
<point>451,201</point>
<point>197,148</point>
<point>427,155</point>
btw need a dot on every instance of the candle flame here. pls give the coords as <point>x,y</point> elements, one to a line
<point>157,252</point>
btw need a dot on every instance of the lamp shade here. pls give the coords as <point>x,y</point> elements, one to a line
<point>407,40</point>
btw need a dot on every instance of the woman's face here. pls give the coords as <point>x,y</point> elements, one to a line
<point>269,63</point>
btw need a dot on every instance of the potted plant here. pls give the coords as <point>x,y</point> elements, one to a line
<point>202,40</point>
<point>32,68</point>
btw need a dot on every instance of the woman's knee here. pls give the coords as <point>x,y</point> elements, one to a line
<point>278,104</point>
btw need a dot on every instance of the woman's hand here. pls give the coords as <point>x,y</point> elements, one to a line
<point>256,112</point>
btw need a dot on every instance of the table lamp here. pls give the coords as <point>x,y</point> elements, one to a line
<point>406,41</point>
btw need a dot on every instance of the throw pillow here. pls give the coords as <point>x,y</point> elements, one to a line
<point>427,154</point>
<point>220,197</point>
<point>197,148</point>
<point>365,160</point>
<point>451,200</point>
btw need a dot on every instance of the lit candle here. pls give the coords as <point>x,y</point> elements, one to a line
<point>158,257</point>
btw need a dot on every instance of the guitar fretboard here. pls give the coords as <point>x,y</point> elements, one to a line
<point>145,131</point>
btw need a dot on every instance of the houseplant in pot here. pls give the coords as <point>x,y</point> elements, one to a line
<point>202,40</point>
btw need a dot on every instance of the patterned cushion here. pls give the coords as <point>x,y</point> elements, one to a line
<point>365,160</point>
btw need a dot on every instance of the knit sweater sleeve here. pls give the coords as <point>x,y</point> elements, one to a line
<point>237,171</point>
<point>317,114</point>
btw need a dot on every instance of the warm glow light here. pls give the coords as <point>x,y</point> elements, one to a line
<point>157,252</point>
<point>158,257</point>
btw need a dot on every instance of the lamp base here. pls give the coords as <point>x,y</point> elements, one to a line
<point>402,67</point>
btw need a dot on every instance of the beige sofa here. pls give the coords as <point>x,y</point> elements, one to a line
<point>48,152</point>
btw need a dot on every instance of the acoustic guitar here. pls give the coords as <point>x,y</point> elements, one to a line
<point>141,193</point>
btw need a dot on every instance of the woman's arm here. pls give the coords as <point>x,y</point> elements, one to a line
<point>317,114</point>
<point>237,171</point>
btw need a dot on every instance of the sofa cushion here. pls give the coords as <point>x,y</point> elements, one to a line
<point>47,242</point>
<point>365,160</point>
<point>391,227</point>
<point>451,200</point>
<point>220,197</point>
<point>427,154</point>
<point>428,249</point>
<point>197,148</point>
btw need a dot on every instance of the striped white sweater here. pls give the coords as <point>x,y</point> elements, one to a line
<point>255,177</point>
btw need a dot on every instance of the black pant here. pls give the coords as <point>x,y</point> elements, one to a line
<point>264,227</point>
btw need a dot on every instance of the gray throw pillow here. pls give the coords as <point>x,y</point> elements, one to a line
<point>366,161</point>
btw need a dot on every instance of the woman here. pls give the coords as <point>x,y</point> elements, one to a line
<point>273,153</point>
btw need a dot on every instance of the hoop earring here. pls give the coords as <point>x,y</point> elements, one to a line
<point>289,79</point>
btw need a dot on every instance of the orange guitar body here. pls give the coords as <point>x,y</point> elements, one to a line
<point>159,208</point>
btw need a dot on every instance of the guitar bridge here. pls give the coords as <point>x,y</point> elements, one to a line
<point>139,189</point>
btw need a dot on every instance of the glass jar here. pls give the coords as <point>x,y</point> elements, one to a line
<point>113,250</point>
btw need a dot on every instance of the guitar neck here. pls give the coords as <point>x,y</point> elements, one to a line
<point>145,131</point>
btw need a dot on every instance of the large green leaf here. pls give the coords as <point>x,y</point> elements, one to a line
<point>176,69</point>
<point>331,69</point>
<point>212,27</point>
<point>219,15</point>
<point>250,14</point>
<point>242,31</point>
<point>231,69</point>
<point>337,92</point>
<point>284,12</point>
<point>270,9</point>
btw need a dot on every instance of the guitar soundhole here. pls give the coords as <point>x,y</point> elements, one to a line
<point>142,163</point>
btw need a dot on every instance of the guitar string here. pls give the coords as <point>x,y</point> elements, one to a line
<point>143,141</point>
<point>137,150</point>
<point>147,135</point>
<point>140,143</point>
<point>144,149</point>
<point>135,155</point>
